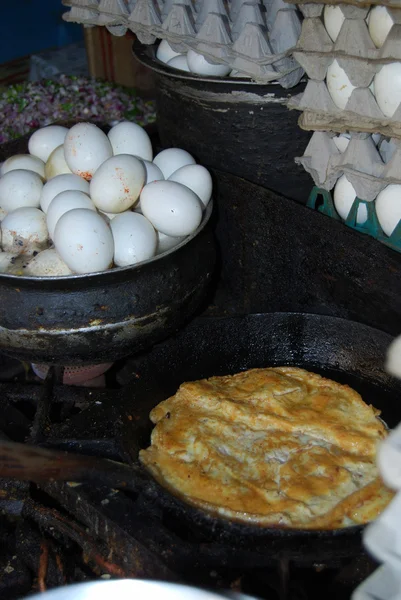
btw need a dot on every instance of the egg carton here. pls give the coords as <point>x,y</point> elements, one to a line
<point>368,167</point>
<point>357,55</point>
<point>361,114</point>
<point>322,201</point>
<point>254,37</point>
<point>354,46</point>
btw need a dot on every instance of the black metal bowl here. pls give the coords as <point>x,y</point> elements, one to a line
<point>232,124</point>
<point>100,317</point>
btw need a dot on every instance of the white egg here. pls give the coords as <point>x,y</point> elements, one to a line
<point>171,207</point>
<point>171,160</point>
<point>197,179</point>
<point>339,86</point>
<point>20,188</point>
<point>64,202</point>
<point>342,141</point>
<point>333,18</point>
<point>179,62</point>
<point>344,196</point>
<point>84,241</point>
<point>86,147</point>
<point>380,23</point>
<point>56,164</point>
<point>166,242</point>
<point>198,64</point>
<point>130,138</point>
<point>135,239</point>
<point>45,140</point>
<point>27,162</point>
<point>388,208</point>
<point>165,52</point>
<point>61,183</point>
<point>24,230</point>
<point>153,173</point>
<point>117,183</point>
<point>47,263</point>
<point>388,88</point>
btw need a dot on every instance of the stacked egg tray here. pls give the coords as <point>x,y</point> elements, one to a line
<point>357,55</point>
<point>367,167</point>
<point>255,38</point>
<point>369,164</point>
<point>322,201</point>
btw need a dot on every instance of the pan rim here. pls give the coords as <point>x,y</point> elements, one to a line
<point>261,532</point>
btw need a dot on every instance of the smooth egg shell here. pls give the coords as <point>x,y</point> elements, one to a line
<point>27,162</point>
<point>388,208</point>
<point>135,239</point>
<point>388,88</point>
<point>339,86</point>
<point>179,62</point>
<point>20,188</point>
<point>172,159</point>
<point>164,52</point>
<point>45,140</point>
<point>116,185</point>
<point>59,184</point>
<point>130,138</point>
<point>64,202</point>
<point>56,164</point>
<point>333,18</point>
<point>84,241</point>
<point>86,147</point>
<point>380,23</point>
<point>197,179</point>
<point>166,242</point>
<point>344,196</point>
<point>198,64</point>
<point>171,207</point>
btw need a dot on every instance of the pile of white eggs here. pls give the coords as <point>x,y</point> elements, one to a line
<point>193,62</point>
<point>386,85</point>
<point>82,201</point>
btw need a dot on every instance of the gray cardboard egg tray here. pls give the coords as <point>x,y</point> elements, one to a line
<point>369,168</point>
<point>361,60</point>
<point>254,37</point>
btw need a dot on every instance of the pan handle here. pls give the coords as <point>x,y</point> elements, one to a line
<point>32,463</point>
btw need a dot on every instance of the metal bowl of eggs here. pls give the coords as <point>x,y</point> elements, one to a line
<point>105,248</point>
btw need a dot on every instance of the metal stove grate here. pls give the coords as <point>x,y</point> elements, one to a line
<point>60,533</point>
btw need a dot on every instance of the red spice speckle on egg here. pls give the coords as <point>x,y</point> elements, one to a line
<point>85,174</point>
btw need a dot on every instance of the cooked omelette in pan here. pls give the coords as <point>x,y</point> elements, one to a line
<point>276,447</point>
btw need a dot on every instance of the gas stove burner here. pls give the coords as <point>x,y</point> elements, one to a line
<point>90,375</point>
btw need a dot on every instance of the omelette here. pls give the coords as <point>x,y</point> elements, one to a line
<point>278,447</point>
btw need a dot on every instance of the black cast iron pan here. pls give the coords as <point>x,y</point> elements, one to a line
<point>345,351</point>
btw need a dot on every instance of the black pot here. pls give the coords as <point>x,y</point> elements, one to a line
<point>234,125</point>
<point>101,317</point>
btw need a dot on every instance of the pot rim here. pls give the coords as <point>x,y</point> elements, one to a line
<point>146,55</point>
<point>14,279</point>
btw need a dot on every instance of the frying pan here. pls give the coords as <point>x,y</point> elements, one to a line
<point>345,351</point>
